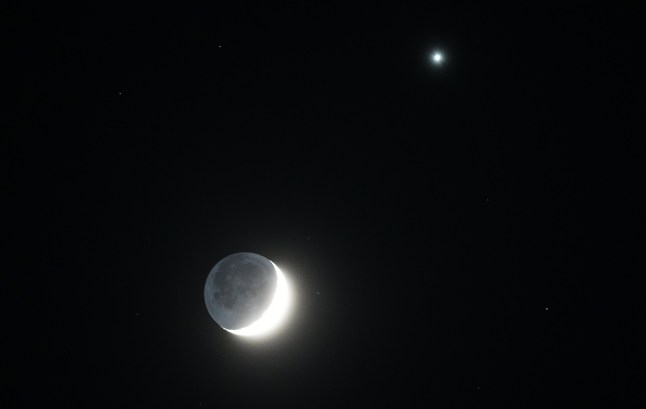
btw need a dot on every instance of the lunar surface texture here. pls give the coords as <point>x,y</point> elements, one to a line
<point>246,294</point>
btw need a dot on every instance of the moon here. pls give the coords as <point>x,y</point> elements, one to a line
<point>247,295</point>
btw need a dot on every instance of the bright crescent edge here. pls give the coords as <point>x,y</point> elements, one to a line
<point>274,315</point>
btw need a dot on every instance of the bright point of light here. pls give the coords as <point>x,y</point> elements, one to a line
<point>437,57</point>
<point>275,315</point>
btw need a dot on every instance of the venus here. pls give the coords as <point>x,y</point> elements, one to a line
<point>437,58</point>
<point>247,294</point>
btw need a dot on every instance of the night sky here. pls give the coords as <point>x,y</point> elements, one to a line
<point>469,234</point>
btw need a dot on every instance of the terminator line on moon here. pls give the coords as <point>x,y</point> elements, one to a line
<point>247,294</point>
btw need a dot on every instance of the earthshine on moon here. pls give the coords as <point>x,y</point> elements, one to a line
<point>247,295</point>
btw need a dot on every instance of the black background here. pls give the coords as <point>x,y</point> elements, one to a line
<point>468,235</point>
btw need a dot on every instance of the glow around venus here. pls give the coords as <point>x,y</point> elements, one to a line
<point>276,313</point>
<point>437,57</point>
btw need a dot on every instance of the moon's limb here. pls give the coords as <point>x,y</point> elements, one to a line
<point>274,315</point>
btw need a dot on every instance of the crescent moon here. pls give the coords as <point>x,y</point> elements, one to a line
<point>275,314</point>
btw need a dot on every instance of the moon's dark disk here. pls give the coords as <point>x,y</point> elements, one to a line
<point>239,289</point>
